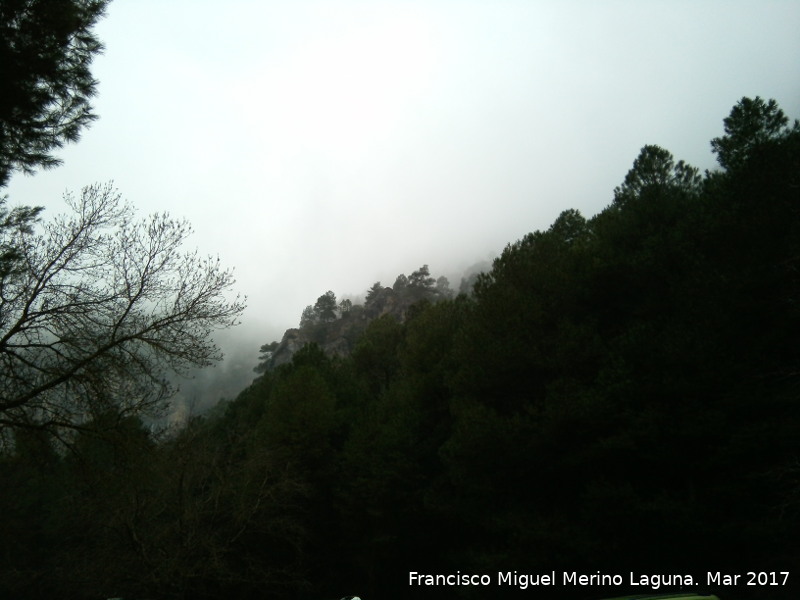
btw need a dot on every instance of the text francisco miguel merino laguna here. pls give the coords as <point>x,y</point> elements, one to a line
<point>572,578</point>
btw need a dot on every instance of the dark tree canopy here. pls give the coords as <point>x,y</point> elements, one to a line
<point>19,218</point>
<point>307,318</point>
<point>46,49</point>
<point>266,351</point>
<point>400,283</point>
<point>752,122</point>
<point>325,307</point>
<point>373,292</point>
<point>655,169</point>
<point>421,279</point>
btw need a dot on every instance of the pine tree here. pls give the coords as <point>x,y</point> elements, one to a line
<point>46,49</point>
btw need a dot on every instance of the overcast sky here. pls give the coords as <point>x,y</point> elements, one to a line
<point>328,145</point>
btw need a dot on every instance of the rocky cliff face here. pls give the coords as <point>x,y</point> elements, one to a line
<point>339,337</point>
<point>336,339</point>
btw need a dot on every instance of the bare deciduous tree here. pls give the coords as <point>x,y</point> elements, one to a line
<point>97,307</point>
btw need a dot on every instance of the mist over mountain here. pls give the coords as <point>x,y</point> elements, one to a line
<point>202,389</point>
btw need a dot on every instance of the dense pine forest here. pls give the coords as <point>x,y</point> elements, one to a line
<point>618,393</point>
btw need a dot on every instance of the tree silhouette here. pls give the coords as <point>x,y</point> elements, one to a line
<point>752,122</point>
<point>46,48</point>
<point>97,307</point>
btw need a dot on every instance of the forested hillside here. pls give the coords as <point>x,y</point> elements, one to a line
<point>620,393</point>
<point>336,328</point>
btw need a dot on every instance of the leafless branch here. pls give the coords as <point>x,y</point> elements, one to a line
<point>97,306</point>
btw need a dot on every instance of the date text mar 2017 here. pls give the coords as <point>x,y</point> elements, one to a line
<point>760,578</point>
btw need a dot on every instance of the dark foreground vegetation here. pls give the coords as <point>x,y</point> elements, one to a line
<point>619,393</point>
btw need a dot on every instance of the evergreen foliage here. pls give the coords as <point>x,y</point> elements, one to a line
<point>325,307</point>
<point>46,49</point>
